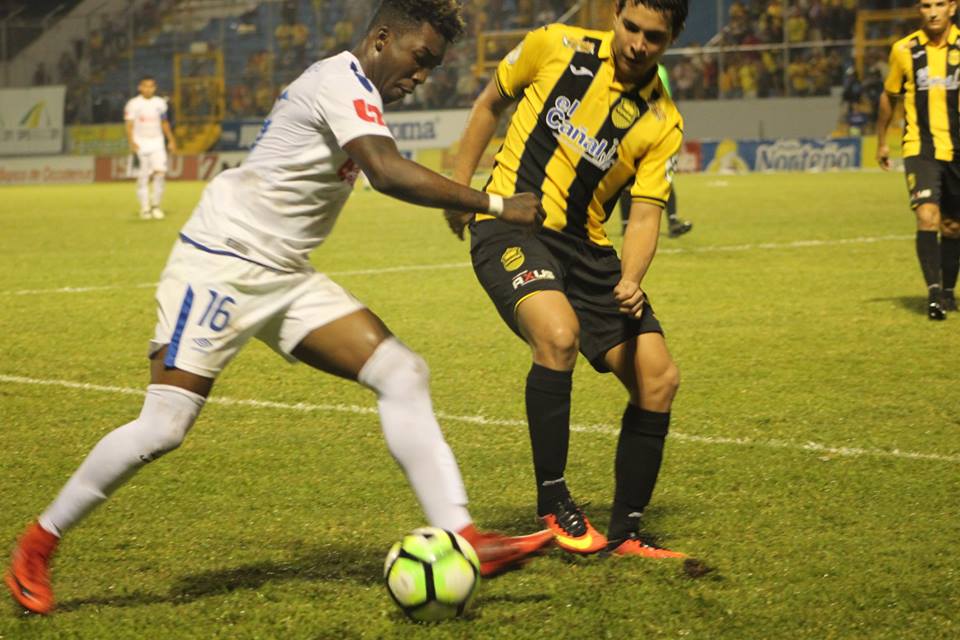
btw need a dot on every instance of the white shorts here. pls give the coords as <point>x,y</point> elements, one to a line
<point>210,305</point>
<point>152,160</point>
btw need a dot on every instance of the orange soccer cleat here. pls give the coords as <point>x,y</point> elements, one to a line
<point>499,553</point>
<point>634,545</point>
<point>572,531</point>
<point>29,575</point>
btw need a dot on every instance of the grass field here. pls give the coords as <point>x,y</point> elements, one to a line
<point>814,458</point>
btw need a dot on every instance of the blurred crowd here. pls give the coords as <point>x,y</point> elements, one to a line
<point>766,48</point>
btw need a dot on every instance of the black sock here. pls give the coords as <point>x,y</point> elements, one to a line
<point>672,207</point>
<point>639,453</point>
<point>928,252</point>
<point>548,415</point>
<point>949,262</point>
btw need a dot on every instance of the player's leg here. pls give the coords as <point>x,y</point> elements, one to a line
<point>950,236</point>
<point>159,179</point>
<point>650,376</point>
<point>949,260</point>
<point>676,226</point>
<point>523,277</point>
<point>173,401</point>
<point>358,346</point>
<point>143,184</point>
<point>924,180</point>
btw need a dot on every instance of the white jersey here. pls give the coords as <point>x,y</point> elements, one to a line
<point>283,201</point>
<point>147,116</point>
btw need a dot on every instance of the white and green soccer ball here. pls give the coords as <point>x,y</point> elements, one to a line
<point>432,574</point>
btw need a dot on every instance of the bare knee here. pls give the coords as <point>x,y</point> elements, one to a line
<point>928,217</point>
<point>556,347</point>
<point>658,388</point>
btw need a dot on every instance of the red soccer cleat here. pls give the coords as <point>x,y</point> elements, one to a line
<point>572,531</point>
<point>499,553</point>
<point>29,575</point>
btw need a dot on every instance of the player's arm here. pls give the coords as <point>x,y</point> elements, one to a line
<point>171,141</point>
<point>481,125</point>
<point>133,145</point>
<point>884,116</point>
<point>639,247</point>
<point>392,174</point>
<point>892,87</point>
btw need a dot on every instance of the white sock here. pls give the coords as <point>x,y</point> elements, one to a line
<point>401,380</point>
<point>159,182</point>
<point>143,191</point>
<point>167,415</point>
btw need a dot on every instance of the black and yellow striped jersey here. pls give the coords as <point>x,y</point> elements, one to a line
<point>579,137</point>
<point>928,77</point>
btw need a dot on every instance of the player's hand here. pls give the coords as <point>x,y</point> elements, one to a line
<point>457,221</point>
<point>883,157</point>
<point>523,209</point>
<point>172,146</point>
<point>630,297</point>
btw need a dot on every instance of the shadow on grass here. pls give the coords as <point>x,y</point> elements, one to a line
<point>914,304</point>
<point>323,564</point>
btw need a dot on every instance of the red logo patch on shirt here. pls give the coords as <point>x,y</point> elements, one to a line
<point>368,112</point>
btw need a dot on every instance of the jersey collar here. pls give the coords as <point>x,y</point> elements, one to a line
<point>952,36</point>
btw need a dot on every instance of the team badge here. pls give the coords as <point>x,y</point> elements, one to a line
<point>625,114</point>
<point>953,58</point>
<point>580,46</point>
<point>512,259</point>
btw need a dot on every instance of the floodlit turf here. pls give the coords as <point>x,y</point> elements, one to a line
<point>814,458</point>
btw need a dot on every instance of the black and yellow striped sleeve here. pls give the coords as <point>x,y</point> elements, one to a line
<point>897,74</point>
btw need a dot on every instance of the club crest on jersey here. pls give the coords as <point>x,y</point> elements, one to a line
<point>953,58</point>
<point>625,113</point>
<point>600,153</point>
<point>512,259</point>
<point>532,275</point>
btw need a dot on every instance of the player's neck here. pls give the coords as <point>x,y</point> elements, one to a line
<point>939,39</point>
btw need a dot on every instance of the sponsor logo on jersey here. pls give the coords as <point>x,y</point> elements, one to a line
<point>368,112</point>
<point>925,81</point>
<point>348,172</point>
<point>532,275</point>
<point>600,153</point>
<point>512,259</point>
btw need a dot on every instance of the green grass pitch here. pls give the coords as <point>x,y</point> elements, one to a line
<point>814,458</point>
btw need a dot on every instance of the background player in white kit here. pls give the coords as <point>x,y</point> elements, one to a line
<point>145,116</point>
<point>240,269</point>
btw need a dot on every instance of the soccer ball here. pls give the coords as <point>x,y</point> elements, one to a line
<point>432,574</point>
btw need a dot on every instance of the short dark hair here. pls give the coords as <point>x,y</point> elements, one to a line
<point>145,78</point>
<point>443,15</point>
<point>676,8</point>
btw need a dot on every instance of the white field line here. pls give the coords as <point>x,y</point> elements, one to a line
<point>765,246</point>
<point>849,452</point>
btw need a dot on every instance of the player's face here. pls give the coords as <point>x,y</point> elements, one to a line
<point>937,15</point>
<point>147,88</point>
<point>407,58</point>
<point>640,36</point>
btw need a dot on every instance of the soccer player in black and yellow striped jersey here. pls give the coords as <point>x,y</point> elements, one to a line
<point>925,72</point>
<point>592,120</point>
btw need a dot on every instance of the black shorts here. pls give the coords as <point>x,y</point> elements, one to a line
<point>934,181</point>
<point>511,264</point>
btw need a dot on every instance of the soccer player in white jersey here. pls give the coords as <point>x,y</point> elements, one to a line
<point>145,116</point>
<point>240,270</point>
